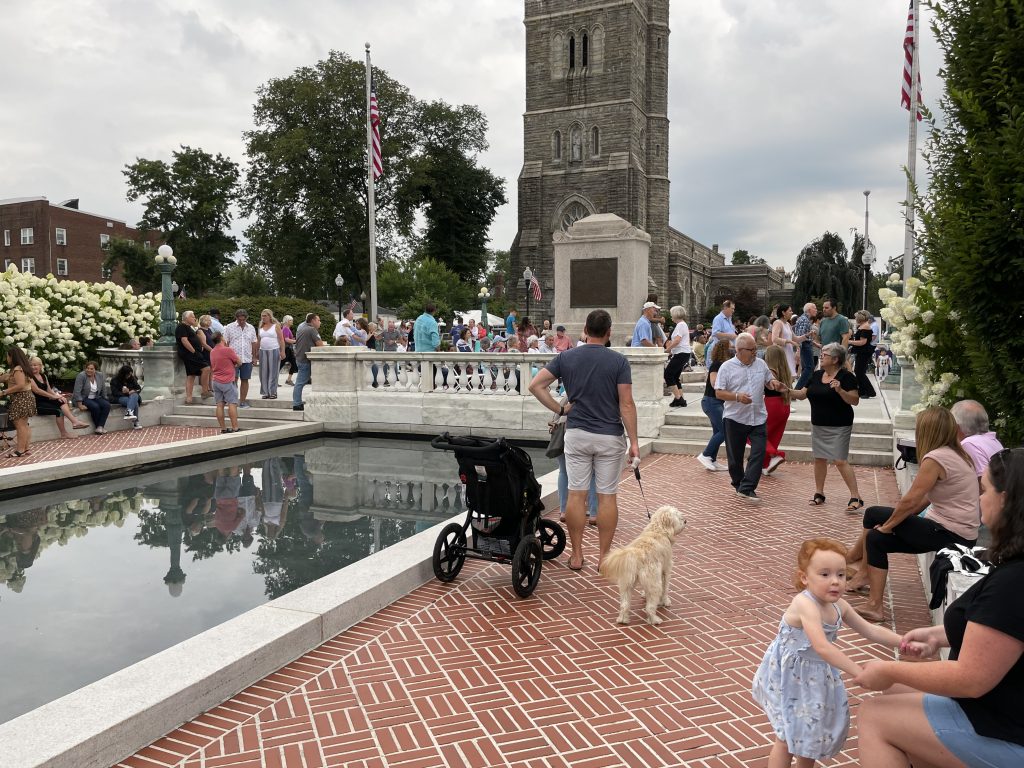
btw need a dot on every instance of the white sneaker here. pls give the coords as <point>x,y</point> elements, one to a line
<point>707,463</point>
<point>127,417</point>
<point>774,463</point>
<point>718,467</point>
<point>136,425</point>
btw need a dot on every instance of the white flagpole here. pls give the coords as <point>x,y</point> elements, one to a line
<point>908,234</point>
<point>370,204</point>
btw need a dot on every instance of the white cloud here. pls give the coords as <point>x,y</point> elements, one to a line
<point>782,111</point>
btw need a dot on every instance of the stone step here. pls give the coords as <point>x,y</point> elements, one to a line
<point>282,412</point>
<point>244,421</point>
<point>692,448</point>
<point>793,438</point>
<point>284,399</point>
<point>800,420</point>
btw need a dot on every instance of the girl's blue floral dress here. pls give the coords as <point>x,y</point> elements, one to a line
<point>802,694</point>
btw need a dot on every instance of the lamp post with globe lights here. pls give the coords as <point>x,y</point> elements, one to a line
<point>527,278</point>
<point>869,253</point>
<point>362,302</point>
<point>484,295</point>
<point>339,281</point>
<point>166,262</point>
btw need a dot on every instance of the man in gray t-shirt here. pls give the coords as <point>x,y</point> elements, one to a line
<point>306,337</point>
<point>599,386</point>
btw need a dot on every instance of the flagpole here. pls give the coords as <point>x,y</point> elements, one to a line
<point>908,233</point>
<point>370,204</point>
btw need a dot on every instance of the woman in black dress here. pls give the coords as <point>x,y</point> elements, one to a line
<point>862,349</point>
<point>190,350</point>
<point>50,401</point>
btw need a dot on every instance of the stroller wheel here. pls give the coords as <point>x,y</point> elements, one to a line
<point>526,565</point>
<point>449,552</point>
<point>552,539</point>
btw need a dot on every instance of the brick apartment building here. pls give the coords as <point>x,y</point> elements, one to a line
<point>47,238</point>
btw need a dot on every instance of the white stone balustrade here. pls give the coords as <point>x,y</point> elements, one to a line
<point>357,390</point>
<point>111,361</point>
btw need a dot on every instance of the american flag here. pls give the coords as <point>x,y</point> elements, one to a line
<point>181,293</point>
<point>378,169</point>
<point>535,287</point>
<point>908,63</point>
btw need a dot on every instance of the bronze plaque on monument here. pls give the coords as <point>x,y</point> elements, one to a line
<point>593,283</point>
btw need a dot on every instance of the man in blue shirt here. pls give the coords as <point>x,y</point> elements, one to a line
<point>804,326</point>
<point>510,323</point>
<point>643,334</point>
<point>425,332</point>
<point>722,329</point>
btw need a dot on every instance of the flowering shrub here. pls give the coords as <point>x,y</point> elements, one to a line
<point>925,328</point>
<point>64,322</point>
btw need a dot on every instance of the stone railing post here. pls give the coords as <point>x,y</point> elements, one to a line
<point>647,366</point>
<point>334,397</point>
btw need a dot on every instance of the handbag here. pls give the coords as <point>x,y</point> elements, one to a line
<point>556,444</point>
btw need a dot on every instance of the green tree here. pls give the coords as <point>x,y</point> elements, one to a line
<point>745,257</point>
<point>410,287</point>
<point>244,280</point>
<point>189,202</point>
<point>136,263</point>
<point>823,269</point>
<point>306,189</point>
<point>973,213</point>
<point>459,199</point>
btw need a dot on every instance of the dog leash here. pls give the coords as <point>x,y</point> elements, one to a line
<point>636,474</point>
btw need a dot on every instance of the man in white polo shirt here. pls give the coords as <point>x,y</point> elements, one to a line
<point>740,385</point>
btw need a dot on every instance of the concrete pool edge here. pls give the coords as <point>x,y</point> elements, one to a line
<point>103,723</point>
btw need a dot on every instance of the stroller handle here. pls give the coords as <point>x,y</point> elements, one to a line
<point>470,446</point>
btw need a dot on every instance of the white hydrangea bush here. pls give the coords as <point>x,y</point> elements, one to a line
<point>924,330</point>
<point>65,321</point>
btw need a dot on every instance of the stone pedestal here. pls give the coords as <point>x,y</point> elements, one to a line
<point>601,263</point>
<point>910,395</point>
<point>165,374</point>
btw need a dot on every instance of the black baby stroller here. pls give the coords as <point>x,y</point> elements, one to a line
<point>504,508</point>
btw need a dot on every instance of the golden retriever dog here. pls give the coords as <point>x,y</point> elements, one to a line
<point>647,562</point>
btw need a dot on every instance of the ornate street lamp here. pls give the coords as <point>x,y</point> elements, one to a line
<point>339,281</point>
<point>484,295</point>
<point>362,302</point>
<point>166,262</point>
<point>527,279</point>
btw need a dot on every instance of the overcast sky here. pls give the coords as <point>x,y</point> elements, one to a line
<point>782,111</point>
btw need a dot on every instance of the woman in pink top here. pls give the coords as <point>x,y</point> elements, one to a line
<point>948,482</point>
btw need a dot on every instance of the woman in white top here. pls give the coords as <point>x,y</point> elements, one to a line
<point>272,352</point>
<point>679,351</point>
<point>782,336</point>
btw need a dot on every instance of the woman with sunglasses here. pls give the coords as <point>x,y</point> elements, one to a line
<point>969,710</point>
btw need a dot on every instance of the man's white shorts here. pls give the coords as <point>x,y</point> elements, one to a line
<point>588,454</point>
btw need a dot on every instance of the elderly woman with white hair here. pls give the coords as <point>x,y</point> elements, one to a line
<point>190,350</point>
<point>679,351</point>
<point>832,392</point>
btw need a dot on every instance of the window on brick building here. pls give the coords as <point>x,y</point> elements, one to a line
<point>104,241</point>
<point>147,245</point>
<point>61,236</point>
<point>62,266</point>
<point>595,141</point>
<point>585,49</point>
<point>556,145</point>
<point>28,265</point>
<point>7,237</point>
<point>7,264</point>
<point>572,52</point>
<point>27,236</point>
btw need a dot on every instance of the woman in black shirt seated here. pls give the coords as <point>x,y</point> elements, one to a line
<point>50,401</point>
<point>968,710</point>
<point>832,392</point>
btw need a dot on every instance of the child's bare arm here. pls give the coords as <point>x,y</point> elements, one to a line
<point>810,618</point>
<point>864,628</point>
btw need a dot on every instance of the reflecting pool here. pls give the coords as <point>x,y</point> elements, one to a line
<point>96,578</point>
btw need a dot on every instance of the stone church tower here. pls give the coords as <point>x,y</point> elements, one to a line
<point>595,128</point>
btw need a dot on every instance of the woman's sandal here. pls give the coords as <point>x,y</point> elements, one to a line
<point>818,500</point>
<point>854,504</point>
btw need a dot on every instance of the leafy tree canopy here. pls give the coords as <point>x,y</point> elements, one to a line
<point>410,287</point>
<point>823,269</point>
<point>745,257</point>
<point>136,263</point>
<point>189,202</point>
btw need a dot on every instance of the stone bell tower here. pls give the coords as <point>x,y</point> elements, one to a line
<point>595,129</point>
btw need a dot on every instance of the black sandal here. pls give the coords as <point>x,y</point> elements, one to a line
<point>854,504</point>
<point>818,500</point>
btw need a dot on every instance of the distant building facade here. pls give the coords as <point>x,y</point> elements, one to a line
<point>596,134</point>
<point>43,238</point>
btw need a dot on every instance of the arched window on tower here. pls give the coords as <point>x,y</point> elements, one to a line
<point>595,141</point>
<point>556,145</point>
<point>572,52</point>
<point>586,49</point>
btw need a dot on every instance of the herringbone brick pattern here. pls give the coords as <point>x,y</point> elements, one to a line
<point>466,674</point>
<point>90,444</point>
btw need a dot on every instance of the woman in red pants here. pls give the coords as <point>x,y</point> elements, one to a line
<point>777,404</point>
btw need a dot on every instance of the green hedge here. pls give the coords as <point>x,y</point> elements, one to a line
<point>279,305</point>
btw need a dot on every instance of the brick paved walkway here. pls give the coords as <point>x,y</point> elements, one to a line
<point>466,674</point>
<point>89,444</point>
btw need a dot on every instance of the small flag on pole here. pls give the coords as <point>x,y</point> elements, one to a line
<point>908,63</point>
<point>378,168</point>
<point>535,287</point>
<point>181,293</point>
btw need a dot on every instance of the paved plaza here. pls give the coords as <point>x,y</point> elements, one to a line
<point>468,674</point>
<point>89,444</point>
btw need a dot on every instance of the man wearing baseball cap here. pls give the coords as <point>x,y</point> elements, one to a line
<point>643,334</point>
<point>562,341</point>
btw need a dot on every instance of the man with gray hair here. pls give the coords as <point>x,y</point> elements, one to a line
<point>741,383</point>
<point>804,327</point>
<point>980,444</point>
